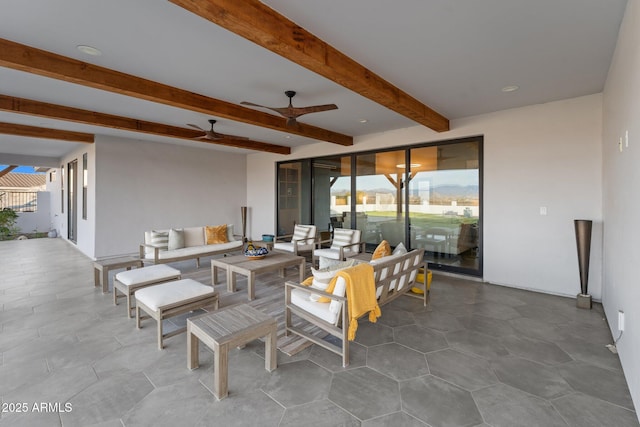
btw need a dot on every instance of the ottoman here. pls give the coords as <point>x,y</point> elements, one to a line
<point>171,299</point>
<point>127,282</point>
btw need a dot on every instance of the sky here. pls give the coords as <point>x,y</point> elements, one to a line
<point>21,169</point>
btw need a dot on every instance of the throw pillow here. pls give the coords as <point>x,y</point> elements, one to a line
<point>322,278</point>
<point>160,239</point>
<point>230,236</point>
<point>400,249</point>
<point>216,234</point>
<point>300,232</point>
<point>342,237</point>
<point>383,250</point>
<point>176,239</point>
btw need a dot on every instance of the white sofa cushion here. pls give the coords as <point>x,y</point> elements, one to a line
<point>164,294</point>
<point>151,274</point>
<point>192,251</point>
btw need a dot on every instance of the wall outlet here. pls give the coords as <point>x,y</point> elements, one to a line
<point>620,320</point>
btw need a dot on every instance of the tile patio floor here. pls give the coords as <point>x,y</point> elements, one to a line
<point>479,355</point>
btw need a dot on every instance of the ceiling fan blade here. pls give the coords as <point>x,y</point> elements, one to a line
<point>299,111</point>
<point>196,127</point>
<point>224,136</point>
<point>284,111</point>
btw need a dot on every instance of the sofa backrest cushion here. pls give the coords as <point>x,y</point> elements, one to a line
<point>193,236</point>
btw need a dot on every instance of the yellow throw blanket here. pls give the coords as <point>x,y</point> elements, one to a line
<point>360,293</point>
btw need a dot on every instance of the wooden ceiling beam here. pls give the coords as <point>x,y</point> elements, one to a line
<point>262,25</point>
<point>38,132</point>
<point>60,112</point>
<point>8,169</point>
<point>36,61</point>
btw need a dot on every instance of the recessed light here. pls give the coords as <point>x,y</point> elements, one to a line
<point>511,88</point>
<point>89,50</point>
<point>363,121</point>
<point>288,136</point>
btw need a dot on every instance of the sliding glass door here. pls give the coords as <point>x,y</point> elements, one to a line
<point>331,192</point>
<point>379,206</point>
<point>426,196</point>
<point>444,203</point>
<point>294,203</point>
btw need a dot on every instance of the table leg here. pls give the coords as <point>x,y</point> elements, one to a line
<point>96,276</point>
<point>301,271</point>
<point>251,280</point>
<point>193,342</point>
<point>214,274</point>
<point>231,280</point>
<point>105,280</point>
<point>220,374</point>
<point>270,350</point>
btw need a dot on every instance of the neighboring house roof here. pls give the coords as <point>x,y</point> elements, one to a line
<point>22,180</point>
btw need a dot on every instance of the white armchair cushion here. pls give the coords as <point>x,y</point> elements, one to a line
<point>300,232</point>
<point>341,237</point>
<point>328,312</point>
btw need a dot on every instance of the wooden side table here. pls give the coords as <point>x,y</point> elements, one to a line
<point>227,328</point>
<point>101,269</point>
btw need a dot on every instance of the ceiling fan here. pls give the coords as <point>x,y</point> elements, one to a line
<point>291,113</point>
<point>213,135</point>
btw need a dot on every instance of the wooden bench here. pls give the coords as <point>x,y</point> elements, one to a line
<point>172,299</point>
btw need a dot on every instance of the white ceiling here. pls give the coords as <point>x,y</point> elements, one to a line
<point>454,56</point>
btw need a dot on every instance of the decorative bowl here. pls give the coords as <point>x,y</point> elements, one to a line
<point>256,253</point>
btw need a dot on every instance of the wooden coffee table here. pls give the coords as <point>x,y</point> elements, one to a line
<point>224,329</point>
<point>240,264</point>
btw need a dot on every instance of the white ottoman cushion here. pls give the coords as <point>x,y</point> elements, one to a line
<point>151,274</point>
<point>168,293</point>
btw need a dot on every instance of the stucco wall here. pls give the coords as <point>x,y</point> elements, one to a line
<point>621,200</point>
<point>543,155</point>
<point>144,185</point>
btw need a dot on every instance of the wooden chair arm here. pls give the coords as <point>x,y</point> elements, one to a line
<point>156,250</point>
<point>361,244</point>
<point>284,236</point>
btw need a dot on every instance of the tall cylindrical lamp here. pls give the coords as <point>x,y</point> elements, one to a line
<point>243,212</point>
<point>583,243</point>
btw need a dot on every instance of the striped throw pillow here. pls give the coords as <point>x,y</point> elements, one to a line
<point>342,237</point>
<point>160,239</point>
<point>300,232</point>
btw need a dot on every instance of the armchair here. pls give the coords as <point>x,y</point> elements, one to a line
<point>303,239</point>
<point>345,244</point>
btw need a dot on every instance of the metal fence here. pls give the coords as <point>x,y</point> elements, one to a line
<point>19,201</point>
